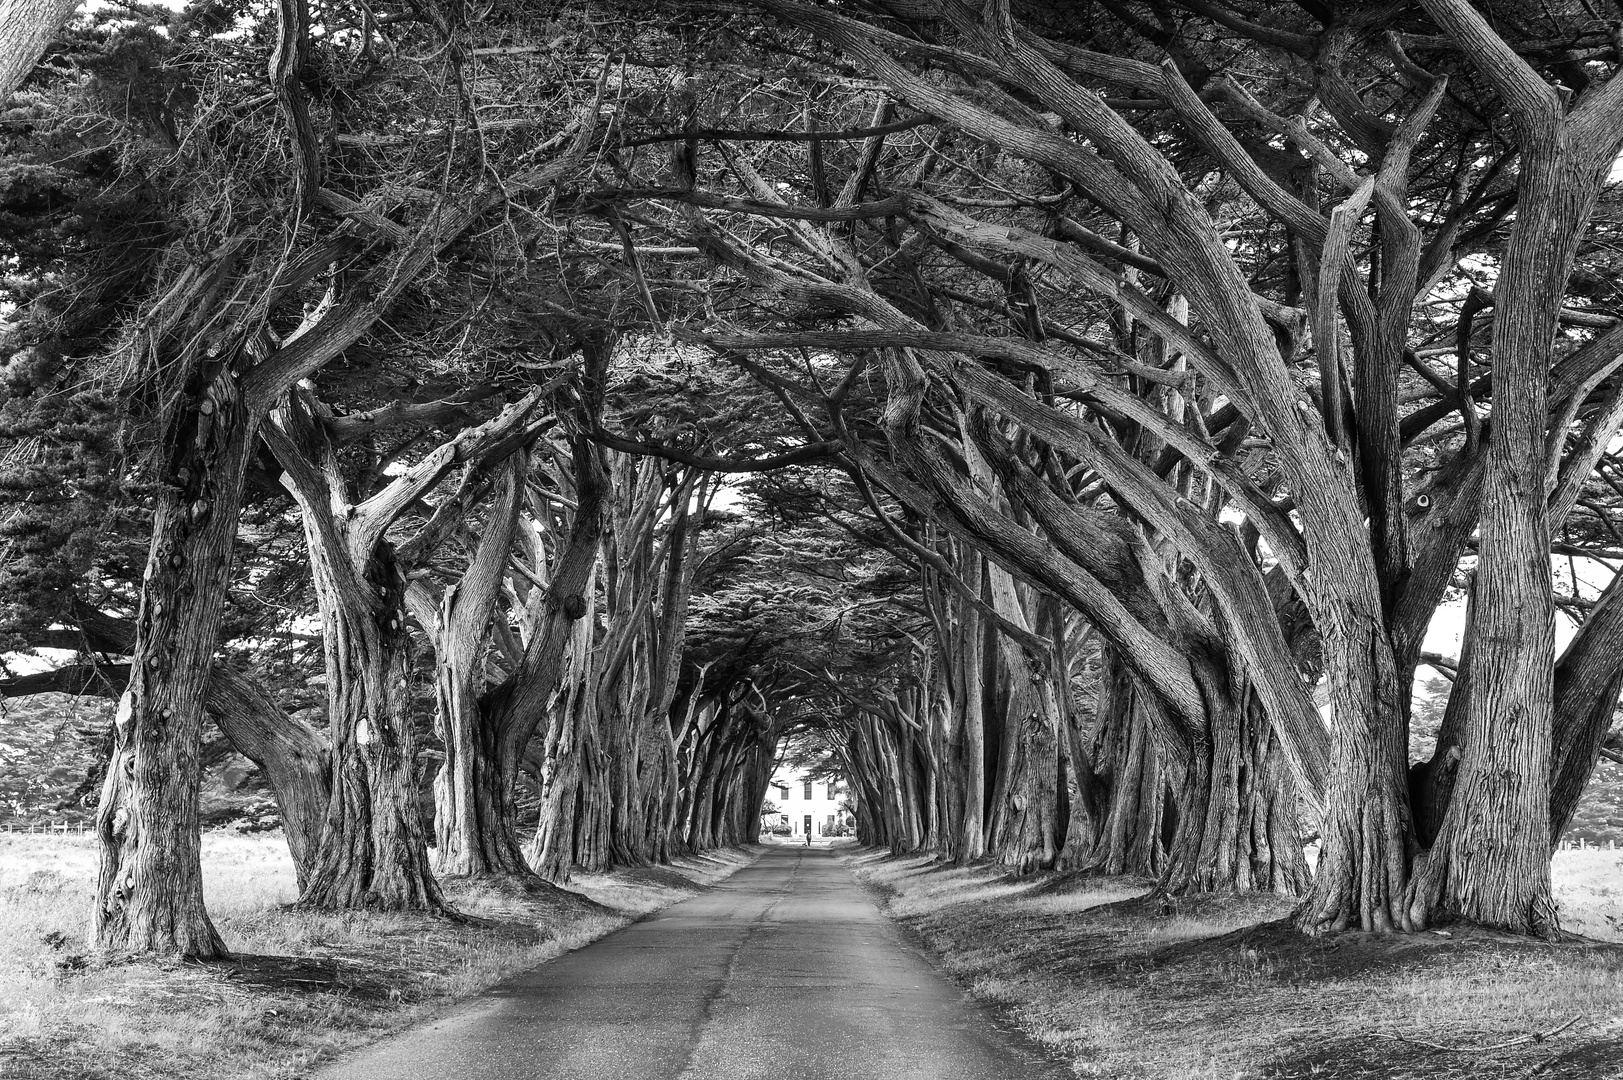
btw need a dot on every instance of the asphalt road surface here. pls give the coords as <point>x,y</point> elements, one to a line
<point>785,971</point>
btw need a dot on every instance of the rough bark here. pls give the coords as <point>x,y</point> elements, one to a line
<point>148,894</point>
<point>570,743</point>
<point>632,561</point>
<point>1237,826</point>
<point>553,659</point>
<point>473,827</point>
<point>969,724</point>
<point>1363,862</point>
<point>1588,680</point>
<point>1490,861</point>
<point>27,27</point>
<point>661,778</point>
<point>150,891</point>
<point>1078,783</point>
<point>374,850</point>
<point>1023,826</point>
<point>1128,763</point>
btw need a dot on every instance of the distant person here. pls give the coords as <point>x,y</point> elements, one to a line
<point>808,839</point>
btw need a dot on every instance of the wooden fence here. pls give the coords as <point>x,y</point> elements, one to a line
<point>42,828</point>
<point>1585,845</point>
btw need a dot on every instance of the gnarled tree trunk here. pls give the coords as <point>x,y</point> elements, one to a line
<point>1490,861</point>
<point>1128,762</point>
<point>149,895</point>
<point>373,851</point>
<point>1237,828</point>
<point>473,830</point>
<point>1363,858</point>
<point>571,739</point>
<point>1023,830</point>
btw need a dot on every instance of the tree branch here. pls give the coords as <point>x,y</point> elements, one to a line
<point>1532,102</point>
<point>816,451</point>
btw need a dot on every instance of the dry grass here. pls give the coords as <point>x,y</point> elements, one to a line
<point>1589,888</point>
<point>305,986</point>
<point>1219,989</point>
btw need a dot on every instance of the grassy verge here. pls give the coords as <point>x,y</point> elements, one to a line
<point>305,986</point>
<point>1219,988</point>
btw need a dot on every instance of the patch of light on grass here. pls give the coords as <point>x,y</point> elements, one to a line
<point>1588,886</point>
<point>1082,900</point>
<point>244,875</point>
<point>947,894</point>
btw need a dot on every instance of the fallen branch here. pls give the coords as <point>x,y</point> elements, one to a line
<point>1536,1037</point>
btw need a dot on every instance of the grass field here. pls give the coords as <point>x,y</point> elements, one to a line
<point>304,987</point>
<point>1218,989</point>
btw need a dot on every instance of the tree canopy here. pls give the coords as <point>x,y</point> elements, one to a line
<point>1063,421</point>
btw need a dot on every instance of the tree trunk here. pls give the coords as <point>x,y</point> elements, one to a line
<point>632,562</point>
<point>872,825</point>
<point>373,851</point>
<point>594,809</point>
<point>1588,679</point>
<point>946,787</point>
<point>1024,826</point>
<point>903,822</point>
<point>1237,829</point>
<point>970,718</point>
<point>475,819</point>
<point>669,635</point>
<point>149,895</point>
<point>659,782</point>
<point>1363,858</point>
<point>553,851</point>
<point>757,777</point>
<point>27,28</point>
<point>557,651</point>
<point>1490,861</point>
<point>1080,834</point>
<point>679,801</point>
<point>474,827</point>
<point>620,711</point>
<point>1431,783</point>
<point>1129,764</point>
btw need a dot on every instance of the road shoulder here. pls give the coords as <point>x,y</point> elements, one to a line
<point>1122,985</point>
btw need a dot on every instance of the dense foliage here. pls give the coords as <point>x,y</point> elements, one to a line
<point>518,429</point>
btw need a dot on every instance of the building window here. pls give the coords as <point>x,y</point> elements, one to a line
<point>783,792</point>
<point>808,791</point>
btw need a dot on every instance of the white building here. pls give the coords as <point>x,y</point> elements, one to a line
<point>814,806</point>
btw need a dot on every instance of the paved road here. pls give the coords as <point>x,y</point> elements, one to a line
<point>785,971</point>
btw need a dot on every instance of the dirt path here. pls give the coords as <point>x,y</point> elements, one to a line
<point>786,970</point>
